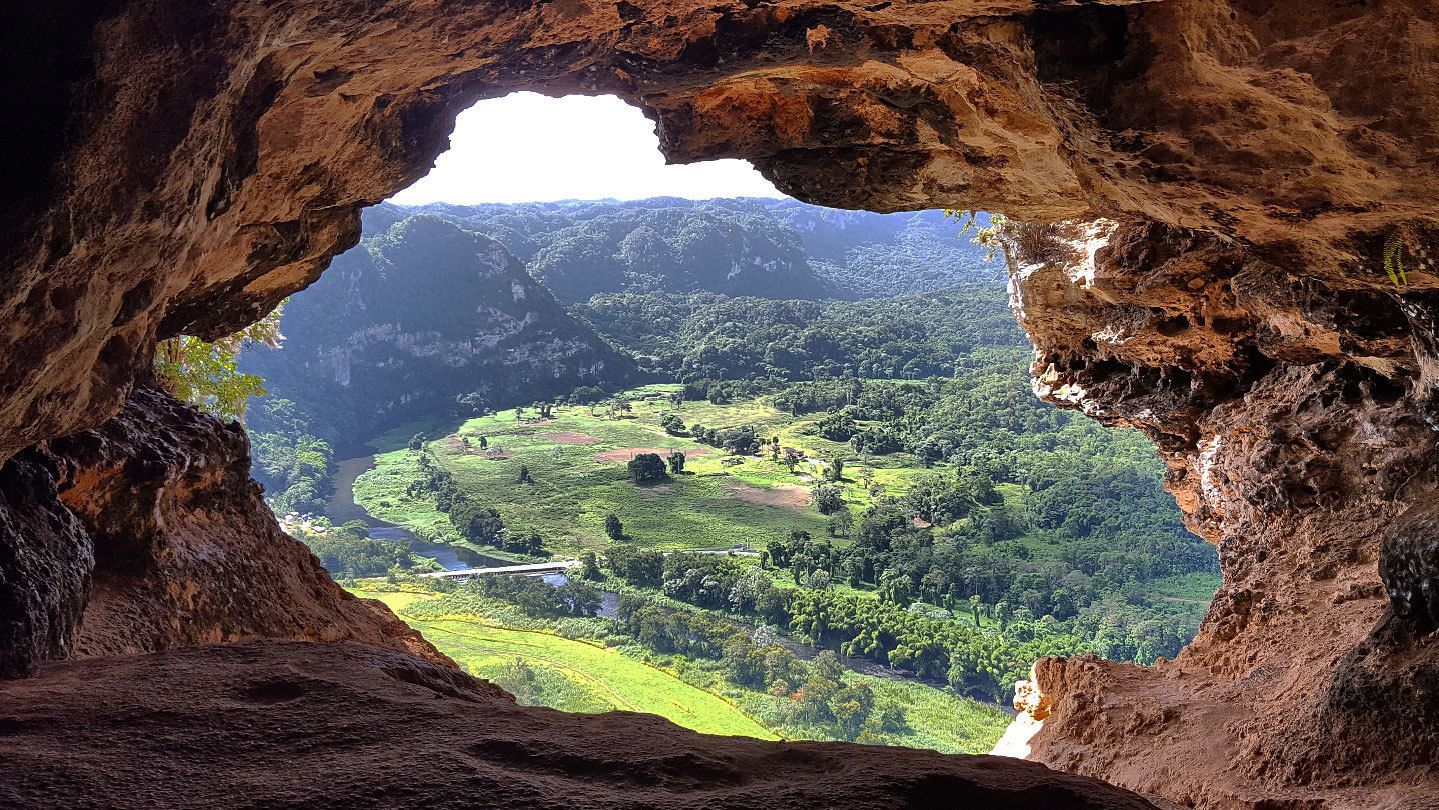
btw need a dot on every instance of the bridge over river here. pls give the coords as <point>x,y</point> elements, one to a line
<point>561,566</point>
<point>530,569</point>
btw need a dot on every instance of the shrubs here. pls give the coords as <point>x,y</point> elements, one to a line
<point>838,426</point>
<point>639,566</point>
<point>740,441</point>
<point>538,598</point>
<point>477,524</point>
<point>348,552</point>
<point>677,461</point>
<point>827,498</point>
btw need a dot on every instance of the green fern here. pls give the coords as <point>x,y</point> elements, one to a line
<point>1394,260</point>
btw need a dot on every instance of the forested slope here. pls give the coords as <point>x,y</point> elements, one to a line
<point>420,320</point>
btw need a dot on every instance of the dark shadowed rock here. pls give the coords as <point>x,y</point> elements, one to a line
<point>186,552</point>
<point>45,564</point>
<point>1409,566</point>
<point>284,724</point>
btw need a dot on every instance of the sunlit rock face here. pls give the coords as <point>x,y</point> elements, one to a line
<point>181,167</point>
<point>1291,412</point>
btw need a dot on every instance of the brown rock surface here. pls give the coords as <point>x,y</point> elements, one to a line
<point>45,563</point>
<point>178,167</point>
<point>287,724</point>
<point>185,550</point>
<point>189,165</point>
<point>1292,419</point>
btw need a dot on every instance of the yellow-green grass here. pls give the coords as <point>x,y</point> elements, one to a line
<point>1195,588</point>
<point>610,679</point>
<point>941,720</point>
<point>720,501</point>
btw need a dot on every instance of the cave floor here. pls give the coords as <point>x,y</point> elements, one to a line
<point>275,724</point>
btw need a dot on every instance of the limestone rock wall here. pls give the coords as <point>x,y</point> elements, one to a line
<point>185,552</point>
<point>1292,415</point>
<point>180,167</point>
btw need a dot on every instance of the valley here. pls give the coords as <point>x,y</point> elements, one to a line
<point>835,517</point>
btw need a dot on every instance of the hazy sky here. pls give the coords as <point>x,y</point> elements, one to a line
<point>528,147</point>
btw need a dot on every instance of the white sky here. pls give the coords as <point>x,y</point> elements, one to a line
<point>527,147</point>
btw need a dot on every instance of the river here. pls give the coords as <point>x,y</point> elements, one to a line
<point>342,507</point>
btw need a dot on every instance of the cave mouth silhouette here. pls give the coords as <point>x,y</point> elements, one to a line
<point>465,174</point>
<point>1251,161</point>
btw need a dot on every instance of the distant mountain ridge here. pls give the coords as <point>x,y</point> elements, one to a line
<point>738,247</point>
<point>452,309</point>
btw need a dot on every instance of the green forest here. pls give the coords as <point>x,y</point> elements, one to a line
<point>747,420</point>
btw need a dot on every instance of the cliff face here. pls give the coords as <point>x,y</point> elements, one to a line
<point>185,550</point>
<point>1293,415</point>
<point>181,167</point>
<point>358,359</point>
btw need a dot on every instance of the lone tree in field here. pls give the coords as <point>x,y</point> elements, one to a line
<point>477,524</point>
<point>647,467</point>
<point>677,461</point>
<point>835,470</point>
<point>614,529</point>
<point>525,477</point>
<point>672,424</point>
<point>827,498</point>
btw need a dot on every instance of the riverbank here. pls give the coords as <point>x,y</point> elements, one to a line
<point>342,508</point>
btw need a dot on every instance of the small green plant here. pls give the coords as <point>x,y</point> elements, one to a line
<point>207,375</point>
<point>986,236</point>
<point>1394,260</point>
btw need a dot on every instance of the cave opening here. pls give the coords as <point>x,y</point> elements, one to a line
<point>1257,171</point>
<point>836,404</point>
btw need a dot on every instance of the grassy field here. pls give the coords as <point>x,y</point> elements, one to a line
<point>577,459</point>
<point>583,676</point>
<point>577,675</point>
